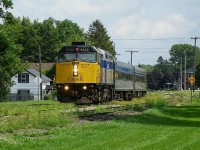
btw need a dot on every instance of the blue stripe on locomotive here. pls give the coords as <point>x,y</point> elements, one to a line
<point>106,64</point>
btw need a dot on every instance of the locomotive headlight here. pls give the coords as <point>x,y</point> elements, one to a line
<point>66,87</point>
<point>75,70</point>
<point>75,66</point>
<point>84,87</point>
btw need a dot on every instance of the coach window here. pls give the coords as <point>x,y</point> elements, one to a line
<point>128,77</point>
<point>124,76</point>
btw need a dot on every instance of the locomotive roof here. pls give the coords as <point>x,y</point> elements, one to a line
<point>92,48</point>
<point>74,46</point>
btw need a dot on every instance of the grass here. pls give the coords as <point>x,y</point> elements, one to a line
<point>50,125</point>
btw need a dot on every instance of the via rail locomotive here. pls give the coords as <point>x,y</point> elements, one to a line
<point>88,72</point>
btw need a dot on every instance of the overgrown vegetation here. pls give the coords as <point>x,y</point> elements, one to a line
<point>152,121</point>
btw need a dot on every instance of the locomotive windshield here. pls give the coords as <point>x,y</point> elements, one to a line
<point>81,56</point>
<point>87,56</point>
<point>72,53</point>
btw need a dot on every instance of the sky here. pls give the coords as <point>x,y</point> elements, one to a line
<point>149,27</point>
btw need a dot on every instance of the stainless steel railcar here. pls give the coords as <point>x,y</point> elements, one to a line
<point>130,81</point>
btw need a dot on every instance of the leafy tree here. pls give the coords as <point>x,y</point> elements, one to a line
<point>29,40</point>
<point>49,40</point>
<point>179,51</point>
<point>10,63</point>
<point>50,35</point>
<point>4,6</point>
<point>13,29</point>
<point>51,72</point>
<point>98,36</point>
<point>162,74</point>
<point>69,32</point>
<point>192,55</point>
<point>163,65</point>
<point>153,80</point>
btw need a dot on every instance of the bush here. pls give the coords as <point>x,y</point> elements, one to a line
<point>156,103</point>
<point>150,103</point>
<point>161,103</point>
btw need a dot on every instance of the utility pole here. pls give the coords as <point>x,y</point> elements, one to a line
<point>131,51</point>
<point>40,70</point>
<point>185,72</point>
<point>195,42</point>
<point>181,74</point>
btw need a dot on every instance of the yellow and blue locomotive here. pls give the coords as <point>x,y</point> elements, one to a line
<point>88,72</point>
<point>84,71</point>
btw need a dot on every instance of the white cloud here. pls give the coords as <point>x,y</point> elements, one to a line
<point>140,26</point>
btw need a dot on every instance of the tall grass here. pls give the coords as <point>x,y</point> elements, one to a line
<point>174,127</point>
<point>33,114</point>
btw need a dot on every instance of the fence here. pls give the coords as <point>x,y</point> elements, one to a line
<point>20,97</point>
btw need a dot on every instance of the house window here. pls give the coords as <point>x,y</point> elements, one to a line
<point>23,78</point>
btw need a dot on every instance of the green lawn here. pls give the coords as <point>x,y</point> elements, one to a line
<point>48,125</point>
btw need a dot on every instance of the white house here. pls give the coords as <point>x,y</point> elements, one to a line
<point>26,85</point>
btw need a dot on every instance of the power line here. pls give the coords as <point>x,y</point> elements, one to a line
<point>143,48</point>
<point>153,52</point>
<point>150,39</point>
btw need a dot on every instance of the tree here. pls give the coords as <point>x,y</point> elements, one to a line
<point>179,51</point>
<point>29,40</point>
<point>162,74</point>
<point>10,63</point>
<point>192,55</point>
<point>69,32</point>
<point>163,65</point>
<point>4,6</point>
<point>51,73</point>
<point>98,36</point>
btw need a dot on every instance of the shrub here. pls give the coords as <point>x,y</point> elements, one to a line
<point>156,103</point>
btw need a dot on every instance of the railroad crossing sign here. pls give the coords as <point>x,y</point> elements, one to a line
<point>192,79</point>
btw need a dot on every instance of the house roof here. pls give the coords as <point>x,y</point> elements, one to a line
<point>36,73</point>
<point>44,66</point>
